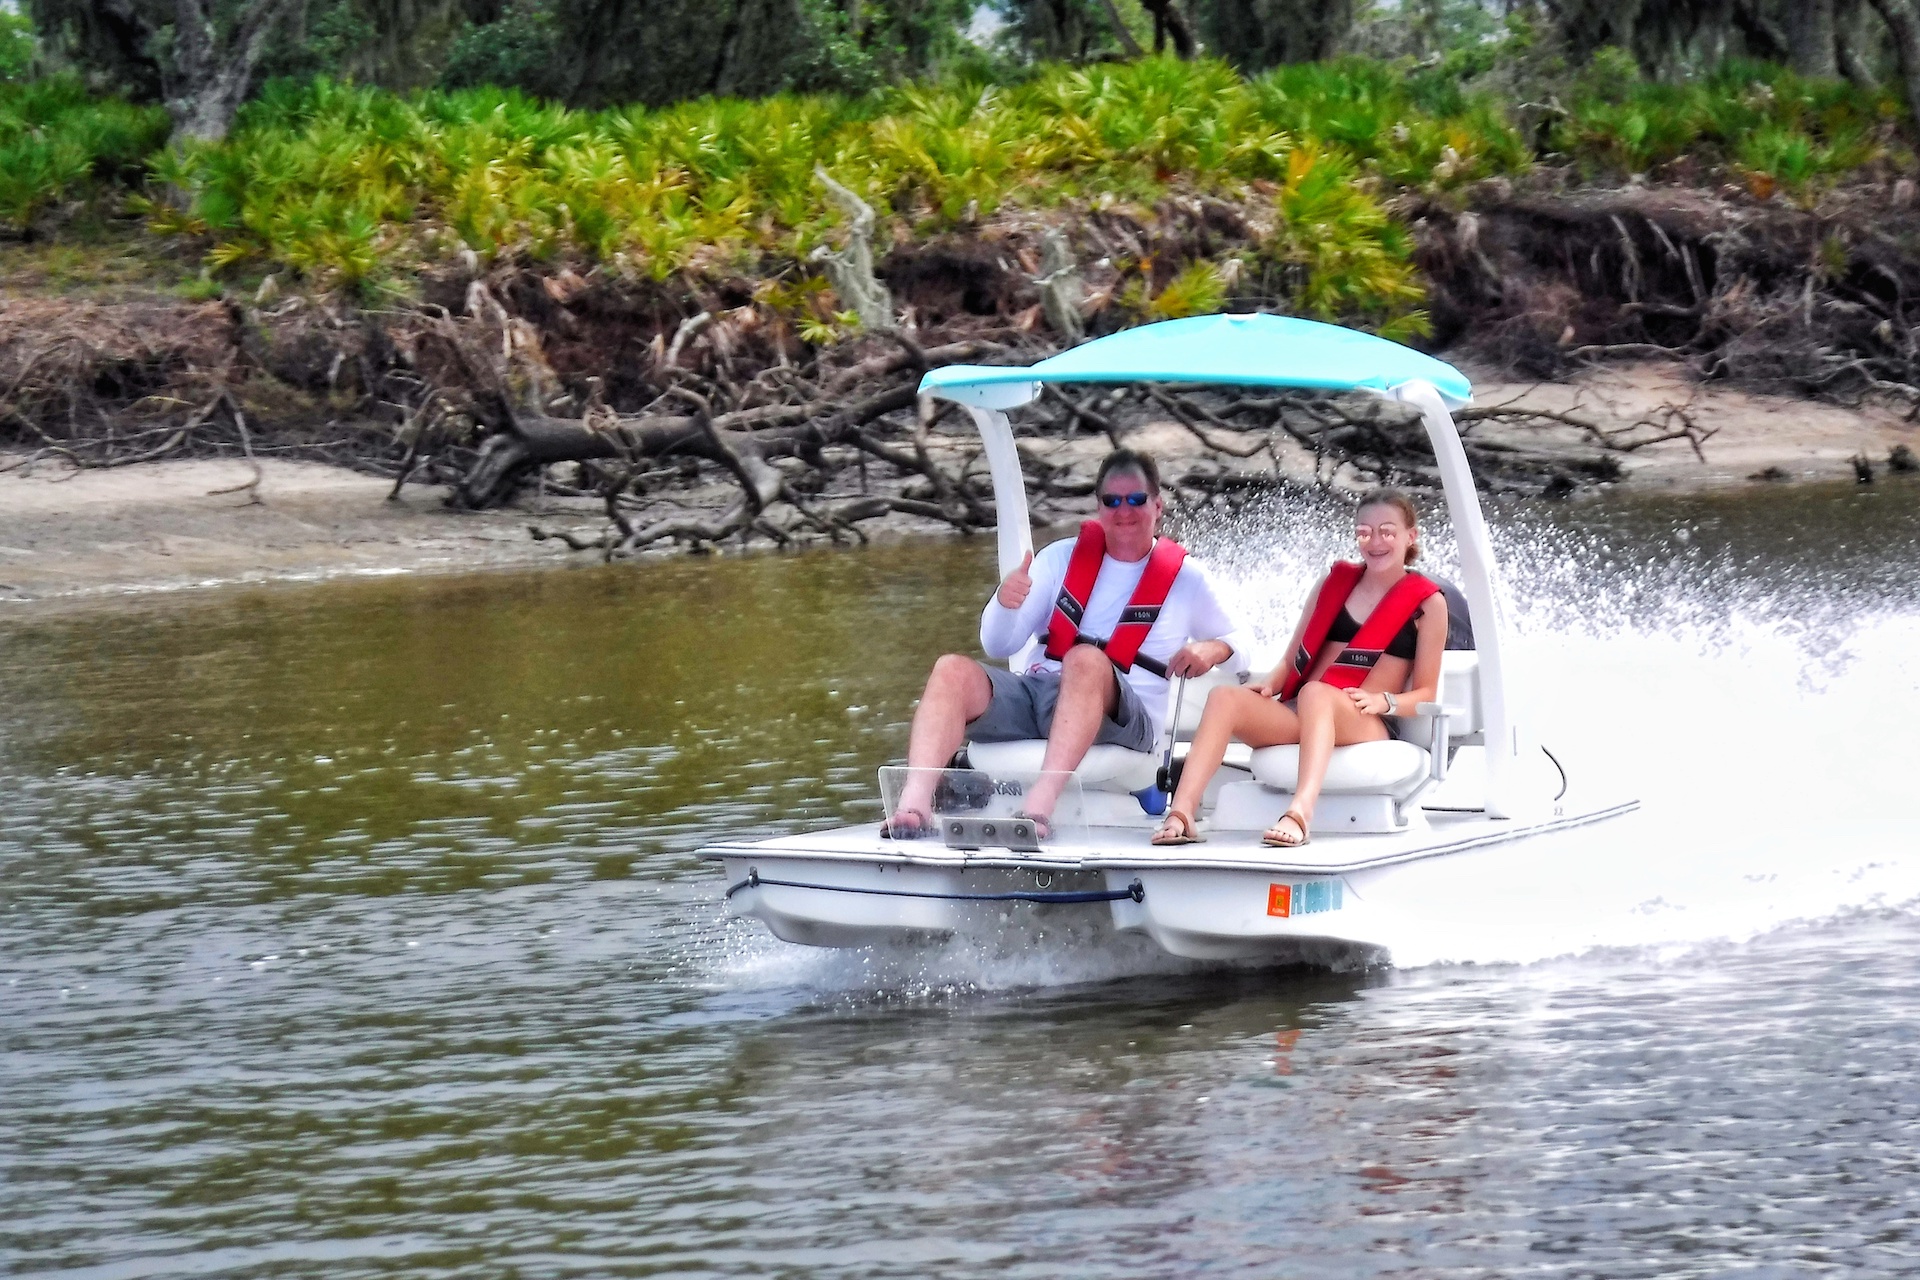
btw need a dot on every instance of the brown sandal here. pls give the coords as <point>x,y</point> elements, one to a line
<point>1178,829</point>
<point>1275,838</point>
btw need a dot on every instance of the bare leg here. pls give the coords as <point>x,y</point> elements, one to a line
<point>957,693</point>
<point>1089,692</point>
<point>1328,719</point>
<point>1231,713</point>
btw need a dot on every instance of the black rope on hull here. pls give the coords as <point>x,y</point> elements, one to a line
<point>1134,891</point>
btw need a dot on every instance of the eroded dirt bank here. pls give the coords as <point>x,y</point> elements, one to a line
<point>163,525</point>
<point>1681,337</point>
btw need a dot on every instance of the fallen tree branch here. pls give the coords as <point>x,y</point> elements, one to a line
<point>1186,414</point>
<point>1618,440</point>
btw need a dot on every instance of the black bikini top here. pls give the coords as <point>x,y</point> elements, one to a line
<point>1405,641</point>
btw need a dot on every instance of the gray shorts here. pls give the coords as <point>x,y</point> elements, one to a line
<point>1022,708</point>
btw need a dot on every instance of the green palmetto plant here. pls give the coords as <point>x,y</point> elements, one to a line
<point>34,173</point>
<point>1777,129</point>
<point>59,143</point>
<point>1352,260</point>
<point>1199,289</point>
<point>350,186</point>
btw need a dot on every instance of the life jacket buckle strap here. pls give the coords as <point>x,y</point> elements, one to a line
<point>1137,619</point>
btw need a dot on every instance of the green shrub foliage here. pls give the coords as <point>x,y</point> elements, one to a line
<point>57,143</point>
<point>18,48</point>
<point>1760,121</point>
<point>359,188</point>
<point>349,185</point>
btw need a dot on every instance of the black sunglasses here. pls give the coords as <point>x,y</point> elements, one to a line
<point>1134,499</point>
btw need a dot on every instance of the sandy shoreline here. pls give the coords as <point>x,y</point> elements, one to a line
<point>166,525</point>
<point>1804,439</point>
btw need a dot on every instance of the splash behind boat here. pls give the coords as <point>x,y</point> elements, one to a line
<point>1470,778</point>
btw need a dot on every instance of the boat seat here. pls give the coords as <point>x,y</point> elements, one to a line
<point>1104,769</point>
<point>1108,768</point>
<point>1391,768</point>
<point>1365,768</point>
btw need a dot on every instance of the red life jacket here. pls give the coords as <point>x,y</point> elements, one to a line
<point>1136,620</point>
<point>1394,611</point>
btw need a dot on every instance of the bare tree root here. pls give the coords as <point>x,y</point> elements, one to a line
<point>1668,422</point>
<point>1813,301</point>
<point>701,412</point>
<point>252,487</point>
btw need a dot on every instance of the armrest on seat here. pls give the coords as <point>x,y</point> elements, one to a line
<point>1436,740</point>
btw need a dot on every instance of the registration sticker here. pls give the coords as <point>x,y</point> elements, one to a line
<point>1308,897</point>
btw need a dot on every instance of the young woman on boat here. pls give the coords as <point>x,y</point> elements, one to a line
<point>1352,676</point>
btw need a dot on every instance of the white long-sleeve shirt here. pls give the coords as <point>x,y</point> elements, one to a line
<point>1193,611</point>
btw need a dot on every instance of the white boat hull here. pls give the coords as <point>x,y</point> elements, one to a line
<point>1228,899</point>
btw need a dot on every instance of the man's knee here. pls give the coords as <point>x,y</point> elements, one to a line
<point>954,671</point>
<point>1086,670</point>
<point>1085,662</point>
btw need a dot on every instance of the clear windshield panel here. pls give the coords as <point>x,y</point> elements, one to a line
<point>993,813</point>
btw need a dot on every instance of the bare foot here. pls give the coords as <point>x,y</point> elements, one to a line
<point>1042,823</point>
<point>907,824</point>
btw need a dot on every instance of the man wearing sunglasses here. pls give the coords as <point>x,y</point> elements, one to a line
<point>1109,646</point>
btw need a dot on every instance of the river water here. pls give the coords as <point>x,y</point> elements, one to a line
<point>352,929</point>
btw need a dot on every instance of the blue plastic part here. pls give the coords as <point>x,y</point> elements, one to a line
<point>1247,350</point>
<point>1152,799</point>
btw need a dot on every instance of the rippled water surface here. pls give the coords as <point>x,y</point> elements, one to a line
<point>353,929</point>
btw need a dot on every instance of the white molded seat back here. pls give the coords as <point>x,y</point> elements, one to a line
<point>1460,691</point>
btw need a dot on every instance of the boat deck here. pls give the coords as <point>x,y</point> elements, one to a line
<point>1127,847</point>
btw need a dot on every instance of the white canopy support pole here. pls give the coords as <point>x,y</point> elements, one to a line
<point>1012,526</point>
<point>1009,486</point>
<point>1479,578</point>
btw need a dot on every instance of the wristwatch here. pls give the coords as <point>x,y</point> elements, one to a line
<point>1393,706</point>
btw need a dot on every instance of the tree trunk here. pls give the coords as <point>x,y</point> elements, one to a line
<point>1127,41</point>
<point>1168,18</point>
<point>212,76</point>
<point>1764,37</point>
<point>851,269</point>
<point>1903,25</point>
<point>507,456</point>
<point>1811,35</point>
<point>1850,26</point>
<point>521,441</point>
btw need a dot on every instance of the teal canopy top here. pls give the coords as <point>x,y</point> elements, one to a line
<point>1251,350</point>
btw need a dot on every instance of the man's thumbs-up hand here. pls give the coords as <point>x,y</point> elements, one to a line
<point>1014,591</point>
